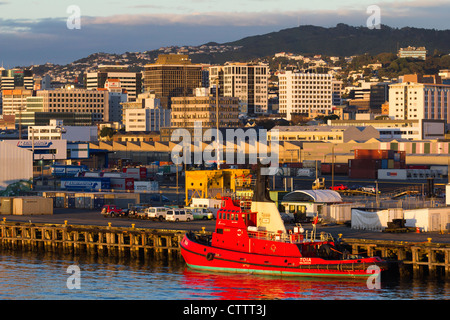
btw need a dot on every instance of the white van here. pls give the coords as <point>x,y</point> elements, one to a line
<point>200,213</point>
<point>157,213</point>
<point>179,215</point>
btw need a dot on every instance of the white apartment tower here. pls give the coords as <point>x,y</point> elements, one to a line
<point>419,101</point>
<point>305,93</point>
<point>130,82</point>
<point>145,114</point>
<point>248,82</point>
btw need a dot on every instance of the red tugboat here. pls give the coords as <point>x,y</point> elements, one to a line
<point>250,237</point>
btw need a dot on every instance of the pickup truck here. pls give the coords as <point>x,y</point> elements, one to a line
<point>112,211</point>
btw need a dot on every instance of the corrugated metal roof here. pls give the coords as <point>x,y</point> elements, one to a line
<point>325,196</point>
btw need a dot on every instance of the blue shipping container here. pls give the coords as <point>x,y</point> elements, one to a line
<point>85,184</point>
<point>384,163</point>
<point>67,171</point>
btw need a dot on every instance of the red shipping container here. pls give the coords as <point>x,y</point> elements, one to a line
<point>362,173</point>
<point>418,167</point>
<point>325,168</point>
<point>143,173</point>
<point>364,163</point>
<point>374,154</point>
<point>341,168</point>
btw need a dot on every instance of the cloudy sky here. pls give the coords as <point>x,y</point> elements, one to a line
<point>35,32</point>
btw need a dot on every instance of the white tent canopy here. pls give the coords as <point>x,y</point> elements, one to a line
<point>321,196</point>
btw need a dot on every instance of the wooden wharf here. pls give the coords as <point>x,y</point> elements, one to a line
<point>91,240</point>
<point>417,259</point>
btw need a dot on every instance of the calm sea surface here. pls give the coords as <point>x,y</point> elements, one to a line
<point>33,276</point>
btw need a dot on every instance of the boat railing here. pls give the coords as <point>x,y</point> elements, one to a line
<point>307,236</point>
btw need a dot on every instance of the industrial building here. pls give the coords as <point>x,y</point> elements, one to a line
<point>16,164</point>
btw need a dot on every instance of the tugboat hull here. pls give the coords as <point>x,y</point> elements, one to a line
<point>202,256</point>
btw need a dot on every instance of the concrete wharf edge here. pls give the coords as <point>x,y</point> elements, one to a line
<point>413,258</point>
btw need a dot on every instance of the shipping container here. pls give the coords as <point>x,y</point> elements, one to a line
<point>390,164</point>
<point>32,206</point>
<point>85,184</point>
<point>417,167</point>
<point>6,205</point>
<point>379,154</point>
<point>364,163</point>
<point>146,186</point>
<point>122,183</point>
<point>136,173</point>
<point>325,168</point>
<point>305,172</point>
<point>392,174</point>
<point>442,170</point>
<point>340,168</point>
<point>116,175</point>
<point>311,164</point>
<point>361,173</point>
<point>371,154</point>
<point>90,174</point>
<point>293,165</point>
<point>67,170</point>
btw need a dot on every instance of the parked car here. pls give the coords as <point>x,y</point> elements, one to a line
<point>339,187</point>
<point>369,189</point>
<point>157,213</point>
<point>138,211</point>
<point>356,187</point>
<point>287,217</point>
<point>179,215</point>
<point>112,210</point>
<point>157,198</point>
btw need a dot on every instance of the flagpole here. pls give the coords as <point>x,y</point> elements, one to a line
<point>217,124</point>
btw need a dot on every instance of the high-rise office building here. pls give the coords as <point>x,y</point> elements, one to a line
<point>16,79</point>
<point>123,79</point>
<point>203,109</point>
<point>15,101</point>
<point>95,102</point>
<point>248,82</point>
<point>417,101</point>
<point>172,75</point>
<point>305,93</point>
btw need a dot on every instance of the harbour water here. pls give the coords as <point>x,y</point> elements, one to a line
<point>50,276</point>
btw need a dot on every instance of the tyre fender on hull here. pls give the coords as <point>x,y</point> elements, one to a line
<point>210,256</point>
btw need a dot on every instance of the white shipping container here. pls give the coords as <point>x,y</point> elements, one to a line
<point>91,174</point>
<point>312,163</point>
<point>441,170</point>
<point>305,172</point>
<point>392,174</point>
<point>146,186</point>
<point>113,175</point>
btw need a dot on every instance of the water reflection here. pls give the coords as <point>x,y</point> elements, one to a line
<point>43,276</point>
